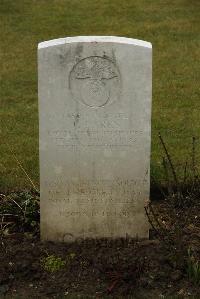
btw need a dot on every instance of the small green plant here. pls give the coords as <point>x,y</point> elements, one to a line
<point>193,268</point>
<point>52,263</point>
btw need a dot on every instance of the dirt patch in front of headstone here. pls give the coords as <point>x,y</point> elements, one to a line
<point>97,268</point>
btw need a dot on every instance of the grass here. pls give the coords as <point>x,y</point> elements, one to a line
<point>193,268</point>
<point>171,26</point>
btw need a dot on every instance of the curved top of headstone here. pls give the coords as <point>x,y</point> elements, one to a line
<point>89,39</point>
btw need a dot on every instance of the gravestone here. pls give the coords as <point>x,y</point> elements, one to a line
<point>95,135</point>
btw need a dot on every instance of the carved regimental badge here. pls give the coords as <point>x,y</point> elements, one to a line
<point>95,81</point>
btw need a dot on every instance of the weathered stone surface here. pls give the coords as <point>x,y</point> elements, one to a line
<point>95,126</point>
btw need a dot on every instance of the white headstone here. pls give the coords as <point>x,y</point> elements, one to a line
<point>95,135</point>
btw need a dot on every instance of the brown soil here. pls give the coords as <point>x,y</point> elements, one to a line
<point>100,268</point>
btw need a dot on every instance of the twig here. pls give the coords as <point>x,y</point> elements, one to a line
<point>193,157</point>
<point>156,218</point>
<point>16,203</point>
<point>151,223</point>
<point>169,187</point>
<point>185,173</point>
<point>159,187</point>
<point>169,159</point>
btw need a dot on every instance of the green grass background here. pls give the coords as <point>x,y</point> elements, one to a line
<point>171,26</point>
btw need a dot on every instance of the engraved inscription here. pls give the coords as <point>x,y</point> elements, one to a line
<point>99,192</point>
<point>95,81</point>
<point>123,213</point>
<point>94,138</point>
